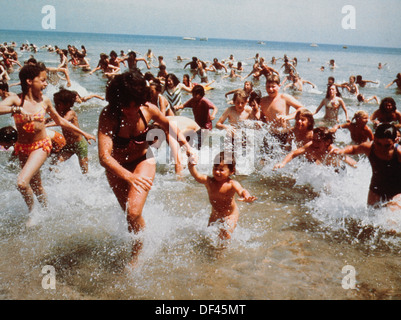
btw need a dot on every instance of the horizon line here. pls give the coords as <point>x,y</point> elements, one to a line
<point>178,36</point>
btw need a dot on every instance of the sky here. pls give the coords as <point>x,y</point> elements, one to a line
<point>368,23</point>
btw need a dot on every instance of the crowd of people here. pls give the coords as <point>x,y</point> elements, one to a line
<point>139,102</point>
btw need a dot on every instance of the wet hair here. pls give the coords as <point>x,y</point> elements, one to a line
<point>65,97</point>
<point>359,114</point>
<point>173,78</point>
<point>132,54</point>
<point>249,82</point>
<point>126,88</point>
<point>359,97</point>
<point>338,94</point>
<point>308,115</point>
<point>273,78</point>
<point>227,158</point>
<point>324,134</point>
<point>8,135</point>
<point>385,101</point>
<point>31,61</point>
<point>386,131</point>
<point>240,93</point>
<point>80,55</point>
<point>255,96</point>
<point>198,89</point>
<point>4,86</point>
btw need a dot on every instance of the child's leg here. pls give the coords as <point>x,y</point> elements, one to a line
<point>30,167</point>
<point>67,76</point>
<point>83,163</point>
<point>81,150</point>
<point>230,222</point>
<point>38,190</point>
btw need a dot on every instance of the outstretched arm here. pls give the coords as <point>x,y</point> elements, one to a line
<point>59,120</point>
<point>344,108</point>
<point>201,178</point>
<point>291,156</point>
<point>243,193</point>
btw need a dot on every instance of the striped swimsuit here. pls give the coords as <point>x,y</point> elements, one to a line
<point>174,98</point>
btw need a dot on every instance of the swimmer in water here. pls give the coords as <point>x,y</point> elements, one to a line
<point>362,83</point>
<point>361,98</point>
<point>351,86</point>
<point>358,128</point>
<point>387,113</point>
<point>396,81</point>
<point>319,151</point>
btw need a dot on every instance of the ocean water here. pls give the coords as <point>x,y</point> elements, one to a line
<point>308,223</point>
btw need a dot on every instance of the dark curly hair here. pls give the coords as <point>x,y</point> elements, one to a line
<point>384,103</point>
<point>126,88</point>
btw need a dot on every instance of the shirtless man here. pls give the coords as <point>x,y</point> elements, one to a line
<point>397,81</point>
<point>217,66</point>
<point>275,108</point>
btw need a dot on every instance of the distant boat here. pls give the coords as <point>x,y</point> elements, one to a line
<point>261,42</point>
<point>188,38</point>
<point>204,39</point>
<point>314,45</point>
<point>345,47</point>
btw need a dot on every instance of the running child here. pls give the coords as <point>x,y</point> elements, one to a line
<point>302,132</point>
<point>33,145</point>
<point>238,112</point>
<point>360,132</point>
<point>254,103</point>
<point>221,190</point>
<point>64,101</point>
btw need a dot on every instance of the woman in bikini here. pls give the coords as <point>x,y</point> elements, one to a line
<point>123,146</point>
<point>33,146</point>
<point>332,103</point>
